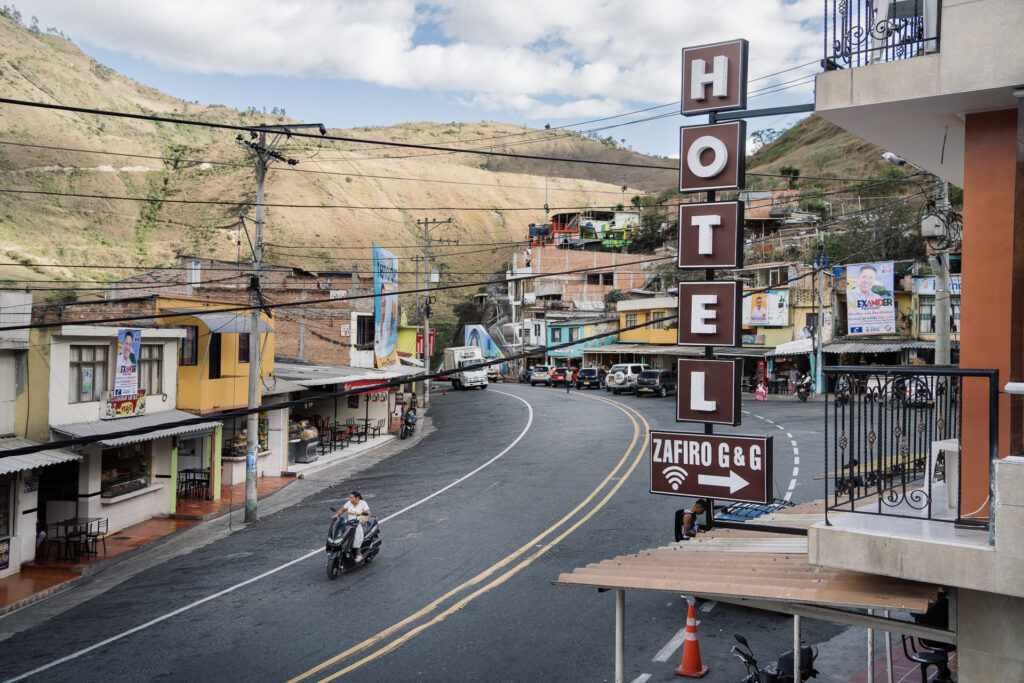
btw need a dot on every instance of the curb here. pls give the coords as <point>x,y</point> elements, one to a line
<point>41,595</point>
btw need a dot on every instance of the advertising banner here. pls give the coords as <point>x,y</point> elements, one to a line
<point>870,299</point>
<point>126,371</point>
<point>767,309</point>
<point>926,285</point>
<point>476,335</point>
<point>125,405</point>
<point>385,308</point>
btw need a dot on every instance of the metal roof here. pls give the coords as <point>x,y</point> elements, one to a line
<point>793,348</point>
<point>17,463</point>
<point>323,375</point>
<point>223,323</point>
<point>155,425</point>
<point>876,345</point>
<point>647,349</point>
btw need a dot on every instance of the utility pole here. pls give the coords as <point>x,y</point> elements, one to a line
<point>262,156</point>
<point>427,300</point>
<point>819,380</point>
<point>940,265</point>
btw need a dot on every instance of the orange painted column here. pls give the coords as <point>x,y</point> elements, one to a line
<point>990,324</point>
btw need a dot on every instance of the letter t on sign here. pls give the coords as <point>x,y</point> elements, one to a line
<point>710,235</point>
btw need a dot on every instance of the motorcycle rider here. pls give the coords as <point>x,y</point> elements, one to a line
<point>356,508</point>
<point>690,526</point>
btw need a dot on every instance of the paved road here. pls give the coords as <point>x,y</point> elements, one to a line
<point>532,483</point>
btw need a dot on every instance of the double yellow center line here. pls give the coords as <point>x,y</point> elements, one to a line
<point>433,612</point>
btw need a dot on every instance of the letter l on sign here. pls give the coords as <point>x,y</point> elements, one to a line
<point>697,400</point>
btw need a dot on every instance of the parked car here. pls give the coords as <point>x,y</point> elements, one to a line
<point>590,378</point>
<point>540,374</point>
<point>659,382</point>
<point>622,377</point>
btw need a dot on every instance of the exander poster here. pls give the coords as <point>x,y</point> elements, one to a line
<point>870,301</point>
<point>385,308</point>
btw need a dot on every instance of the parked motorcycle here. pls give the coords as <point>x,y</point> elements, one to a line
<point>782,671</point>
<point>341,557</point>
<point>408,427</point>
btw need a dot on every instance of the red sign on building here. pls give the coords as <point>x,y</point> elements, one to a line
<point>730,467</point>
<point>419,343</point>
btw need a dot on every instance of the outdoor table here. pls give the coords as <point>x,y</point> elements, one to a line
<point>78,528</point>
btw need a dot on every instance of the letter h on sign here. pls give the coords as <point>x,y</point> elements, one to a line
<point>714,77</point>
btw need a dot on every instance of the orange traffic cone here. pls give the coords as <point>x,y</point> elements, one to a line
<point>691,649</point>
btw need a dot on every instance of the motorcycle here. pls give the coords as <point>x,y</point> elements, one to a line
<point>803,389</point>
<point>340,555</point>
<point>782,671</point>
<point>842,392</point>
<point>408,427</point>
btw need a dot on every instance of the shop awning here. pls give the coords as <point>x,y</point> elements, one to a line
<point>877,345</point>
<point>224,323</point>
<point>151,425</point>
<point>799,347</point>
<point>742,351</point>
<point>324,375</point>
<point>17,463</point>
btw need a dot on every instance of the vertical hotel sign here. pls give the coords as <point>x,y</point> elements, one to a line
<point>385,308</point>
<point>711,158</point>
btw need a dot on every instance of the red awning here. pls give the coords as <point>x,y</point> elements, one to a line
<point>375,383</point>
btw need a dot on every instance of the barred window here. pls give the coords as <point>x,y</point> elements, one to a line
<point>88,373</point>
<point>630,320</point>
<point>151,364</point>
<point>657,320</point>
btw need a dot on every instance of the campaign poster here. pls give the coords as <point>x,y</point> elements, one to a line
<point>870,299</point>
<point>766,308</point>
<point>126,369</point>
<point>385,308</point>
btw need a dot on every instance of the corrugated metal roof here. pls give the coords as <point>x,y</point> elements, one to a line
<point>223,323</point>
<point>752,575</point>
<point>322,375</point>
<point>876,345</point>
<point>156,426</point>
<point>17,463</point>
<point>793,348</point>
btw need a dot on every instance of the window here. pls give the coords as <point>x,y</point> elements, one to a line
<point>214,358</point>
<point>88,380</point>
<point>811,320</point>
<point>926,314</point>
<point>188,347</point>
<point>556,334</point>
<point>151,364</point>
<point>574,333</point>
<point>243,348</point>
<point>536,330</point>
<point>630,320</point>
<point>657,320</point>
<point>607,279</point>
<point>364,331</point>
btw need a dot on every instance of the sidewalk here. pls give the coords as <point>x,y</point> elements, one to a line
<point>903,670</point>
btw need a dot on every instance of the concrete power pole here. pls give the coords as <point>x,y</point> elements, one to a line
<point>427,224</point>
<point>262,155</point>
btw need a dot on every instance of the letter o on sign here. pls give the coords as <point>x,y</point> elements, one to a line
<point>718,162</point>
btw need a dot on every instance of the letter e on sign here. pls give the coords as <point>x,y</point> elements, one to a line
<point>709,313</point>
<point>714,77</point>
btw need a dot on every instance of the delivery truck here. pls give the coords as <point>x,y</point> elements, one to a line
<point>456,358</point>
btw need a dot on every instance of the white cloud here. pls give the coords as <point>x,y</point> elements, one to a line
<point>540,57</point>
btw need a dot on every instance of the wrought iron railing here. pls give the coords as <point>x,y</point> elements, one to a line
<point>881,423</point>
<point>861,32</point>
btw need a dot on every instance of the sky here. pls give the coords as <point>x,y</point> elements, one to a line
<point>350,63</point>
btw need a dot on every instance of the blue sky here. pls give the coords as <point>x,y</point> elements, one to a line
<point>380,62</point>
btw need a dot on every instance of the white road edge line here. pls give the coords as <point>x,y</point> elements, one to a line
<point>670,647</point>
<point>311,553</point>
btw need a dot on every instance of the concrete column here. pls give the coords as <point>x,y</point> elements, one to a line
<point>174,476</point>
<point>988,631</point>
<point>215,468</point>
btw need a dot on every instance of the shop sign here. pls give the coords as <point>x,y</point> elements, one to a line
<point>712,157</point>
<point>708,391</point>
<point>5,554</point>
<point>32,483</point>
<point>753,340</point>
<point>124,405</point>
<point>708,314</point>
<point>419,343</point>
<point>735,468</point>
<point>714,77</point>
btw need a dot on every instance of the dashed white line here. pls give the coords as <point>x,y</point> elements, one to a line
<point>789,435</point>
<point>796,471</point>
<point>642,678</point>
<point>796,460</point>
<point>780,427</point>
<point>671,646</point>
<point>708,605</point>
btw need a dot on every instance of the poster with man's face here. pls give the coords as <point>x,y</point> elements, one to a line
<point>768,309</point>
<point>126,367</point>
<point>870,299</point>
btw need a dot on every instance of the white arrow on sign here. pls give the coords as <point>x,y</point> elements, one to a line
<point>734,481</point>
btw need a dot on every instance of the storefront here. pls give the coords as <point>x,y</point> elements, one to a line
<point>20,519</point>
<point>130,479</point>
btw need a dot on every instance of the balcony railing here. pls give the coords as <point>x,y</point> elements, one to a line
<point>862,32</point>
<point>892,440</point>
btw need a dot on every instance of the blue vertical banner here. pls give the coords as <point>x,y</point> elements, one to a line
<point>385,308</point>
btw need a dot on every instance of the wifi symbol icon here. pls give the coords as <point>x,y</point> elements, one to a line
<point>674,475</point>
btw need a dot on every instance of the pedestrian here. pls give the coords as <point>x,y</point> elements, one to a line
<point>794,376</point>
<point>690,528</point>
<point>414,402</point>
<point>568,378</point>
